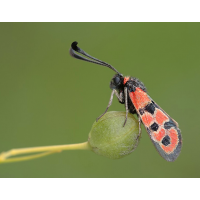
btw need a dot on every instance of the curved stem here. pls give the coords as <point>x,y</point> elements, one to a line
<point>27,157</point>
<point>46,149</point>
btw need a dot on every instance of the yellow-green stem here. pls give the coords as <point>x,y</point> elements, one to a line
<point>27,157</point>
<point>46,149</point>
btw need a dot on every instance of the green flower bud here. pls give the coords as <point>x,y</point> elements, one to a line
<point>109,138</point>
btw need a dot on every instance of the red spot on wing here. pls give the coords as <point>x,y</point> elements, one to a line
<point>174,137</point>
<point>139,98</point>
<point>147,119</point>
<point>160,117</point>
<point>126,79</point>
<point>173,141</point>
<point>159,135</point>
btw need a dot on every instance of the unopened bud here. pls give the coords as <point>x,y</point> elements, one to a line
<point>109,138</point>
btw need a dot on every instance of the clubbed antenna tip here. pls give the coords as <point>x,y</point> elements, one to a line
<point>74,48</point>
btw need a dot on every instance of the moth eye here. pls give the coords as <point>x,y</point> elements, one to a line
<point>117,80</point>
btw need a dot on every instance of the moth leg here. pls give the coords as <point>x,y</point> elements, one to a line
<point>126,103</point>
<point>119,96</point>
<point>109,104</point>
<point>140,130</point>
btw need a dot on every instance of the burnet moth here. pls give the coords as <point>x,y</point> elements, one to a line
<point>161,128</point>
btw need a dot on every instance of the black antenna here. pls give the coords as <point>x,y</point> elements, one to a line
<point>74,48</point>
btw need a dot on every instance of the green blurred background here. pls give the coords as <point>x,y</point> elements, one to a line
<point>49,98</point>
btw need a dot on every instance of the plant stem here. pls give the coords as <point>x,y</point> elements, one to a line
<point>26,157</point>
<point>47,150</point>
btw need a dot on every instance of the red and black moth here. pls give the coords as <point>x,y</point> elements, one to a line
<point>161,128</point>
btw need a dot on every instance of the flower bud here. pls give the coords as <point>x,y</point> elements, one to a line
<point>109,138</point>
